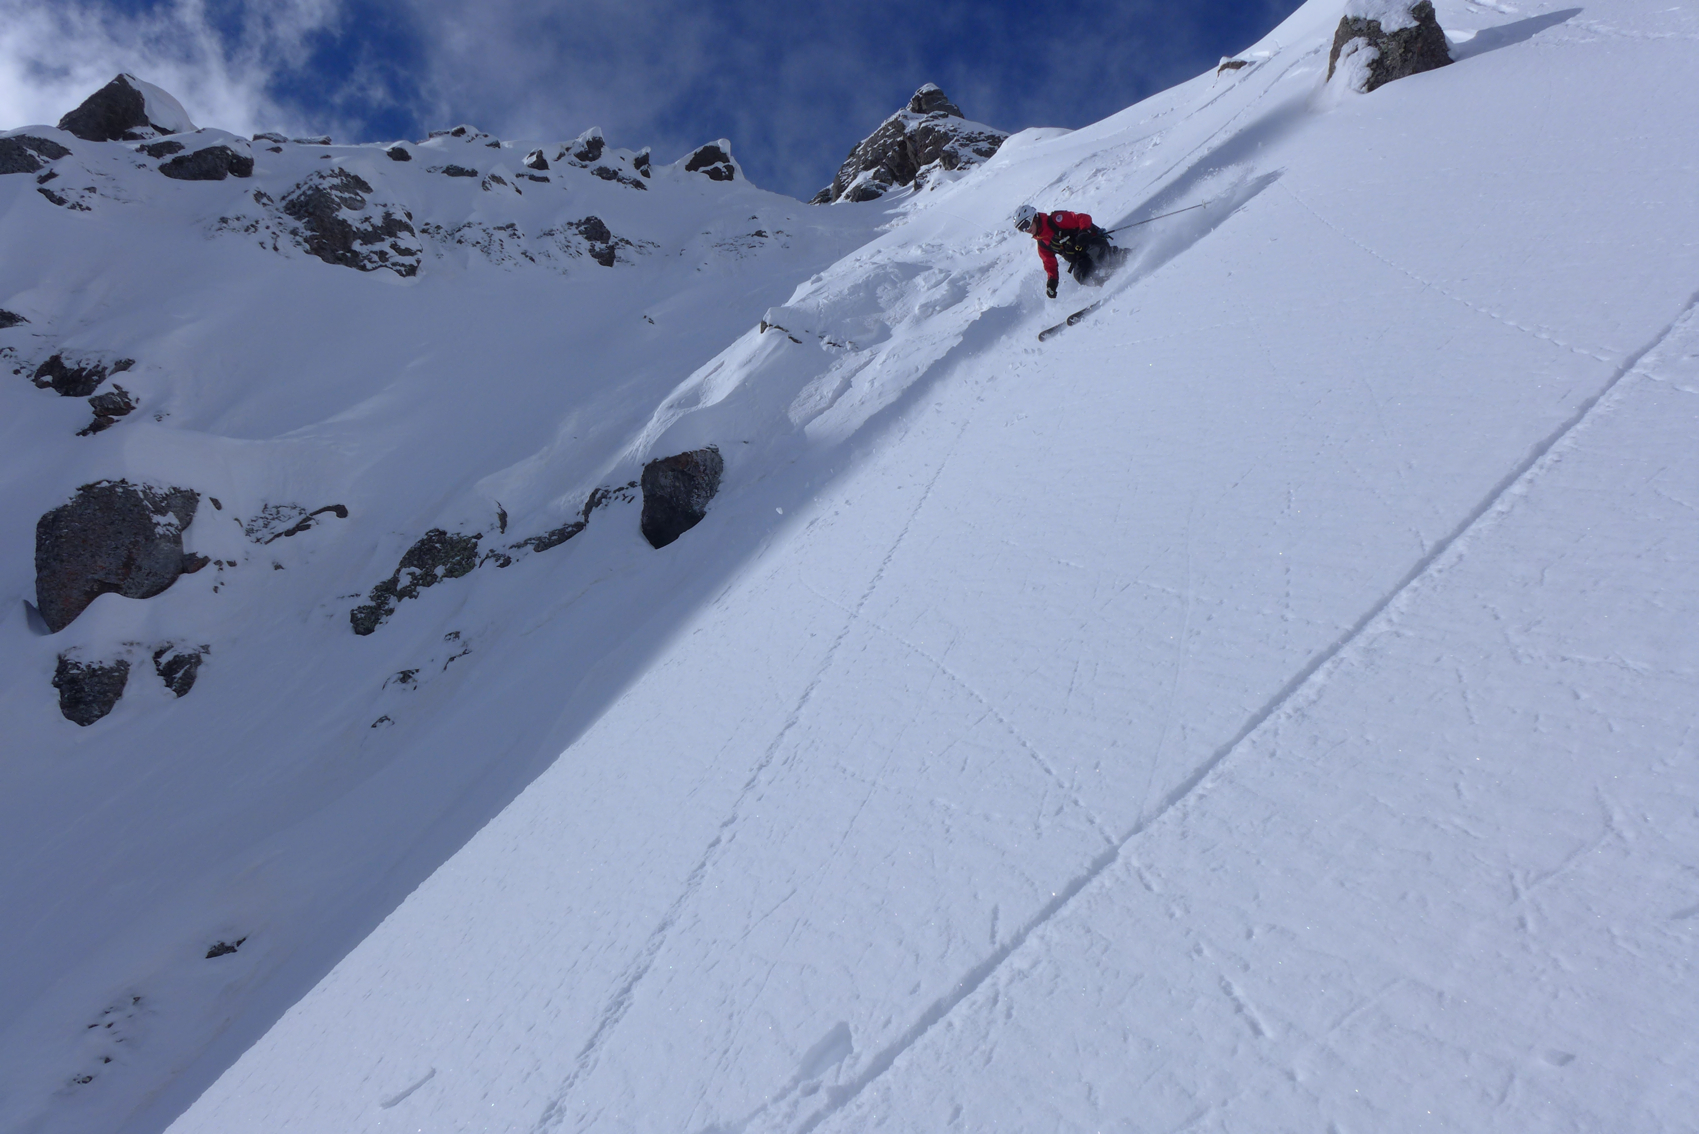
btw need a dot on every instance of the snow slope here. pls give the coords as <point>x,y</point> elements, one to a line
<point>1264,706</point>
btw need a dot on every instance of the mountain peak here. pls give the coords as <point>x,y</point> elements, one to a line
<point>930,132</point>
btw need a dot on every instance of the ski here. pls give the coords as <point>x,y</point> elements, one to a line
<point>1049,332</point>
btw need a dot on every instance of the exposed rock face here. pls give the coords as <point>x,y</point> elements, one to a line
<point>398,153</point>
<point>126,109</point>
<point>270,136</point>
<point>108,408</point>
<point>714,161</point>
<point>338,227</point>
<point>177,667</point>
<point>88,690</point>
<point>437,556</point>
<point>536,160</point>
<point>676,492</point>
<point>930,132</point>
<point>113,538</point>
<point>214,163</point>
<point>26,154</point>
<point>641,162</point>
<point>76,381</point>
<point>588,146</point>
<point>603,246</point>
<point>456,171</point>
<point>11,319</point>
<point>1404,39</point>
<point>163,149</point>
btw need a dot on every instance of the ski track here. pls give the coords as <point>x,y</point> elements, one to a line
<point>554,1113</point>
<point>1596,354</point>
<point>1497,502</point>
<point>1031,750</point>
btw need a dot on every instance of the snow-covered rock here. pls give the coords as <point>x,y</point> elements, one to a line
<point>127,108</point>
<point>89,689</point>
<point>1378,41</point>
<point>114,537</point>
<point>929,133</point>
<point>713,161</point>
<point>25,153</point>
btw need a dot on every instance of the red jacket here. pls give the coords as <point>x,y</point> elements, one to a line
<point>1046,227</point>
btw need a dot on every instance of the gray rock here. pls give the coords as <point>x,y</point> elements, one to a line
<point>457,171</point>
<point>270,136</point>
<point>331,208</point>
<point>114,113</point>
<point>10,319</point>
<point>676,492</point>
<point>157,150</point>
<point>108,408</point>
<point>76,381</point>
<point>178,667</point>
<point>26,154</point>
<point>321,140</point>
<point>438,555</point>
<point>214,163</point>
<point>713,162</point>
<point>1405,52</point>
<point>398,153</point>
<point>114,537</point>
<point>929,99</point>
<point>536,160</point>
<point>641,162</point>
<point>929,132</point>
<point>607,173</point>
<point>589,146</point>
<point>88,690</point>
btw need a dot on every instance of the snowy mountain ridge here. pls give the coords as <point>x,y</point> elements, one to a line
<point>1260,706</point>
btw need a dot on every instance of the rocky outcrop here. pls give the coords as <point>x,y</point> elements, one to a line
<point>74,380</point>
<point>438,555</point>
<point>11,319</point>
<point>676,492</point>
<point>1383,40</point>
<point>713,161</point>
<point>108,408</point>
<point>929,133</point>
<point>165,149</point>
<point>398,153</point>
<point>114,537</point>
<point>339,226</point>
<point>23,153</point>
<point>588,146</point>
<point>88,690</point>
<point>536,160</point>
<point>214,163</point>
<point>178,667</point>
<point>126,109</point>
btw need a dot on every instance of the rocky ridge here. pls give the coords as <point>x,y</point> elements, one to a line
<point>929,134</point>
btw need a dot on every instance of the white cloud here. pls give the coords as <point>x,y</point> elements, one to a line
<point>55,53</point>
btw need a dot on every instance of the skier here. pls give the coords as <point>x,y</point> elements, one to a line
<point>1070,235</point>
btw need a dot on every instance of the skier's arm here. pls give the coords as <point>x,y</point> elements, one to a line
<point>1049,259</point>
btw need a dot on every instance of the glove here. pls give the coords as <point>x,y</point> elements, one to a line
<point>1050,288</point>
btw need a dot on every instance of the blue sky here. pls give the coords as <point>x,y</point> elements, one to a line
<point>793,85</point>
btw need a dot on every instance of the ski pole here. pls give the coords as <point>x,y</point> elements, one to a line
<point>1147,220</point>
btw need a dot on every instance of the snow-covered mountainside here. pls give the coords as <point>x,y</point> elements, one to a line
<point>1264,705</point>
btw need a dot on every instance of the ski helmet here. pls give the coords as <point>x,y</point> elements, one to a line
<point>1023,217</point>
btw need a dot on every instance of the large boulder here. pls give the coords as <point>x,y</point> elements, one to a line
<point>340,226</point>
<point>928,133</point>
<point>88,690</point>
<point>126,109</point>
<point>1383,40</point>
<point>23,153</point>
<point>114,537</point>
<point>676,492</point>
<point>214,163</point>
<point>437,555</point>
